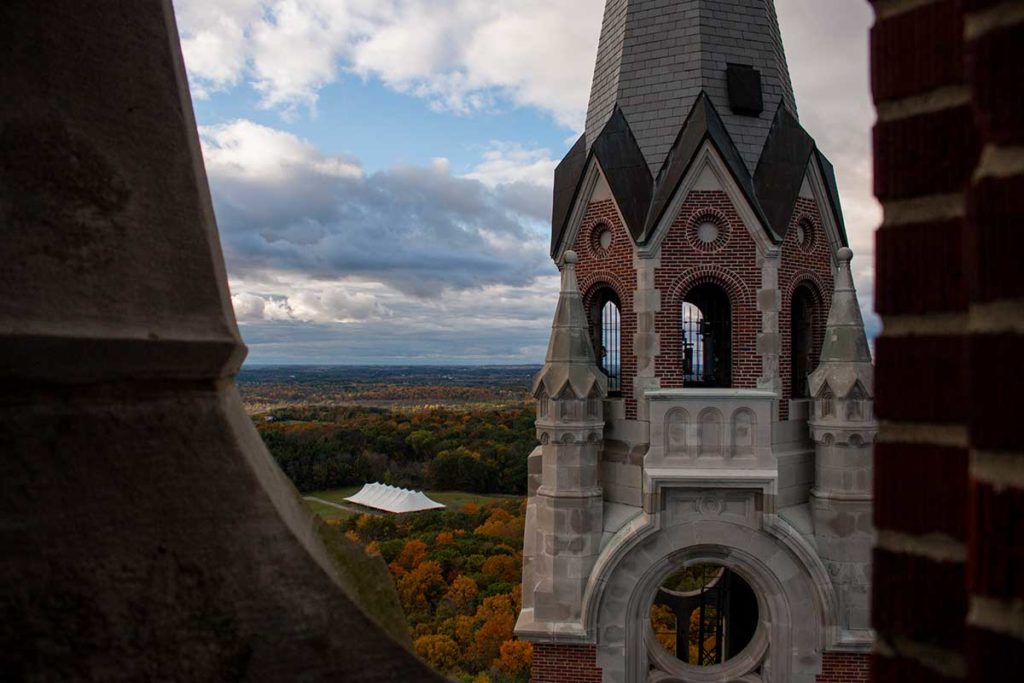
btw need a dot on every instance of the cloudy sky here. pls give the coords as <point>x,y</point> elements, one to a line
<point>381,169</point>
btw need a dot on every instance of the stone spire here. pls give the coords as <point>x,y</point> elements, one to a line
<point>565,505</point>
<point>655,57</point>
<point>570,355</point>
<point>845,354</point>
<point>843,428</point>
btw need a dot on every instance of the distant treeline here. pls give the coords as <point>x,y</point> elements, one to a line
<point>476,450</point>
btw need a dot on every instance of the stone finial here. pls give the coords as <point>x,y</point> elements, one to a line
<point>845,354</point>
<point>570,357</point>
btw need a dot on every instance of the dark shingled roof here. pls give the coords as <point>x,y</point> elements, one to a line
<point>829,174</point>
<point>626,169</point>
<point>772,191</point>
<point>568,175</point>
<point>782,168</point>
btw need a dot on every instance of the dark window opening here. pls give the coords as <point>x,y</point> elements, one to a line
<point>607,338</point>
<point>707,337</point>
<point>801,341</point>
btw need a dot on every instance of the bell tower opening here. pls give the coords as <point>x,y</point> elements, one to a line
<point>606,335</point>
<point>802,335</point>
<point>707,337</point>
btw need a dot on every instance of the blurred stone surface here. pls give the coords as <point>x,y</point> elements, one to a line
<point>146,532</point>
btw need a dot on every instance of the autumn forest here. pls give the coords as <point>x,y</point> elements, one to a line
<point>461,434</point>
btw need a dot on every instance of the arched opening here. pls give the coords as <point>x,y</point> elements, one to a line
<point>707,337</point>
<point>802,312</point>
<point>607,336</point>
<point>704,614</point>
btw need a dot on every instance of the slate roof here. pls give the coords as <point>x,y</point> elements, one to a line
<point>656,56</point>
<point>771,191</point>
<point>661,89</point>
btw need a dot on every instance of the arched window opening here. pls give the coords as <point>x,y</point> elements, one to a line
<point>707,337</point>
<point>607,336</point>
<point>704,615</point>
<point>801,340</point>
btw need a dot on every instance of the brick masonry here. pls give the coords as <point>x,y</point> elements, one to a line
<point>731,262</point>
<point>611,268</point>
<point>845,667</point>
<point>565,664</point>
<point>949,283</point>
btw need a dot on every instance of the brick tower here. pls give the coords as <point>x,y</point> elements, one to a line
<point>702,244</point>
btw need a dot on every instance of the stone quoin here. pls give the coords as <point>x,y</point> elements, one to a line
<point>706,399</point>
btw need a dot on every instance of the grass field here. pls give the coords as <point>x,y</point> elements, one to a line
<point>453,499</point>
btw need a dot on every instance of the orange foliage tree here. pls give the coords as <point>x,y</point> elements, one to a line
<point>516,658</point>
<point>439,651</point>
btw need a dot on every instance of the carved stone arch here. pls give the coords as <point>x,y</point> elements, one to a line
<point>856,403</point>
<point>796,602</point>
<point>744,433</point>
<point>825,401</point>
<point>710,433</point>
<point>677,427</point>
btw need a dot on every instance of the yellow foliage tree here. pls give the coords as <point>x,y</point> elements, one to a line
<point>503,525</point>
<point>663,623</point>
<point>440,652</point>
<point>413,553</point>
<point>420,587</point>
<point>516,657</point>
<point>461,595</point>
<point>503,568</point>
<point>487,640</point>
<point>444,538</point>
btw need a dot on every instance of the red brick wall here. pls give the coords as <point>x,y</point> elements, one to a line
<point>565,664</point>
<point>949,172</point>
<point>845,667</point>
<point>809,265</point>
<point>612,267</point>
<point>732,265</point>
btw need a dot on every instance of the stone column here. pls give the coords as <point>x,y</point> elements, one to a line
<point>769,343</point>
<point>844,428</point>
<point>564,527</point>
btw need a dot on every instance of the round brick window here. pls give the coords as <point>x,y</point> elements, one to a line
<point>805,234</point>
<point>708,232</point>
<point>601,239</point>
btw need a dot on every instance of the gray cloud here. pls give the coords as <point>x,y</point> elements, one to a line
<point>284,206</point>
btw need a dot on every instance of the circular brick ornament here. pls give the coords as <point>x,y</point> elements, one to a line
<point>708,231</point>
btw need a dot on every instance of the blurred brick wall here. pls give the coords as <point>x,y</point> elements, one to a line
<point>948,82</point>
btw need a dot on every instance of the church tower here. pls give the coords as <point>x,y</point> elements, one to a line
<point>702,247</point>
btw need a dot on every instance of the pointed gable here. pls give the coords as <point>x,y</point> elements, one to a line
<point>617,151</point>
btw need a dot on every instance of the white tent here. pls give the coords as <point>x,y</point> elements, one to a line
<point>392,499</point>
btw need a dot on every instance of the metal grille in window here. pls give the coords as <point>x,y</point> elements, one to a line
<point>706,336</point>
<point>610,350</point>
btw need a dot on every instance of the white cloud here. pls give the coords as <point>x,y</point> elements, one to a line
<point>509,162</point>
<point>458,54</point>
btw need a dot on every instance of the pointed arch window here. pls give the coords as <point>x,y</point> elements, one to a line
<point>607,337</point>
<point>706,320</point>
